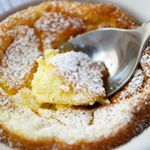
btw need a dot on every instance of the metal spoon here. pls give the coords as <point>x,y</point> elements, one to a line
<point>119,49</point>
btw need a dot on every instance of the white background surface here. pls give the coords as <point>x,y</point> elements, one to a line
<point>140,9</point>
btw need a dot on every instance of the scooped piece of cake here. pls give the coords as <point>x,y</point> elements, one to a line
<point>70,78</point>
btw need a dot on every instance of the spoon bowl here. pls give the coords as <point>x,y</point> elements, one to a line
<point>119,49</point>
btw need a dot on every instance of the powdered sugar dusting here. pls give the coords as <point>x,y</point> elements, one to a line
<point>134,86</point>
<point>53,26</point>
<point>80,71</point>
<point>79,119</point>
<point>145,62</point>
<point>19,57</point>
<point>4,100</point>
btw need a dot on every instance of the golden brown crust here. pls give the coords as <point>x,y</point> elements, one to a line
<point>104,15</point>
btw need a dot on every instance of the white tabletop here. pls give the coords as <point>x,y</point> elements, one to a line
<point>140,8</point>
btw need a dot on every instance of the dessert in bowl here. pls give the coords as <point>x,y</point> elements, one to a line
<point>34,112</point>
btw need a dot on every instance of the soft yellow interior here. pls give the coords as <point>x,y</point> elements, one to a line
<point>49,86</point>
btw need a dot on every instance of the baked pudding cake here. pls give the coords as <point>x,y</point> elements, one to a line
<point>31,112</point>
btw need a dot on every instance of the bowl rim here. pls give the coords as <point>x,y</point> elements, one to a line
<point>18,8</point>
<point>26,5</point>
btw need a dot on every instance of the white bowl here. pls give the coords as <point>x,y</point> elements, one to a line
<point>139,9</point>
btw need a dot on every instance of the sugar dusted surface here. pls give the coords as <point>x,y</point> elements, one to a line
<point>4,100</point>
<point>145,61</point>
<point>134,86</point>
<point>81,72</point>
<point>20,56</point>
<point>71,125</point>
<point>53,26</point>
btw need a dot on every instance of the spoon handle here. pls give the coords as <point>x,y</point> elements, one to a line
<point>144,31</point>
